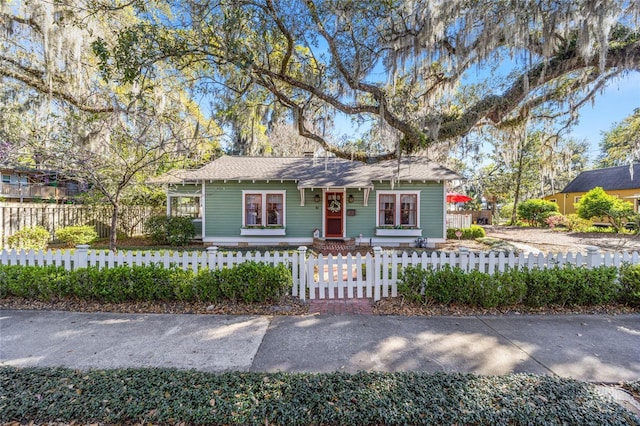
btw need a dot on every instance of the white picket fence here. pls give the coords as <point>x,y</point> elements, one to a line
<point>324,277</point>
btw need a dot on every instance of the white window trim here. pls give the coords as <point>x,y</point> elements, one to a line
<point>397,206</point>
<point>264,193</point>
<point>194,194</point>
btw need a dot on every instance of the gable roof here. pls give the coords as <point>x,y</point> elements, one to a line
<point>172,176</point>
<point>611,178</point>
<point>316,172</point>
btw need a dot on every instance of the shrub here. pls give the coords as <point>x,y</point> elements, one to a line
<point>630,282</point>
<point>568,285</point>
<point>35,282</point>
<point>206,286</point>
<point>555,221</point>
<point>597,203</point>
<point>255,282</point>
<point>470,233</point>
<point>130,283</point>
<point>575,223</point>
<point>172,230</point>
<point>505,211</point>
<point>35,238</point>
<point>536,211</point>
<point>248,282</point>
<point>411,283</point>
<point>75,235</point>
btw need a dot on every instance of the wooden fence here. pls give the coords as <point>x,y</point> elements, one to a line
<point>458,221</point>
<point>16,216</point>
<point>371,275</point>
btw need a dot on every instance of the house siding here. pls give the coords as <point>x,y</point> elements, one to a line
<point>431,206</point>
<point>223,207</point>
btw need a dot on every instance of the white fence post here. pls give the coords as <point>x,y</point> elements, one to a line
<point>82,256</point>
<point>377,276</point>
<point>302,272</point>
<point>212,254</point>
<point>464,258</point>
<point>593,257</point>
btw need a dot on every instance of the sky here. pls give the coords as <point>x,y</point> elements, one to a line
<point>617,102</point>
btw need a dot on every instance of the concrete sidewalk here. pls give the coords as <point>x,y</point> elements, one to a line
<point>585,347</point>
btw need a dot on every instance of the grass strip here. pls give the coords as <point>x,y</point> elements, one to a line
<point>169,396</point>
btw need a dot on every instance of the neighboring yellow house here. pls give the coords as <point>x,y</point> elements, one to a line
<point>622,182</point>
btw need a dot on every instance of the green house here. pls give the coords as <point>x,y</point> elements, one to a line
<point>266,201</point>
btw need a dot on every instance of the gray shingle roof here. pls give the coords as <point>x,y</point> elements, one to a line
<point>172,176</point>
<point>609,179</point>
<point>318,172</point>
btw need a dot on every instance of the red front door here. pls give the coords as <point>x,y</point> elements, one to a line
<point>334,208</point>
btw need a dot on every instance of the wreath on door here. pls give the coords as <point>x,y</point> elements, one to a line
<point>334,206</point>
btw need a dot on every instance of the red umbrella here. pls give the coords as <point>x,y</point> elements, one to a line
<point>454,197</point>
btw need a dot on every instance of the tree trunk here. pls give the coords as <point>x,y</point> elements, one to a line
<point>516,195</point>
<point>114,227</point>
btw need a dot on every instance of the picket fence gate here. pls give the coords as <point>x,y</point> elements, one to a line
<point>323,277</point>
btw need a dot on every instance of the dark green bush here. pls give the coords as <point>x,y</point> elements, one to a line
<point>35,238</point>
<point>247,282</point>
<point>630,282</point>
<point>34,282</point>
<point>534,288</point>
<point>255,281</point>
<point>412,283</point>
<point>172,230</point>
<point>206,286</point>
<point>129,283</point>
<point>75,235</point>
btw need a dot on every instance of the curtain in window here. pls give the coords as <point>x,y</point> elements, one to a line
<point>253,209</point>
<point>274,209</point>
<point>408,209</point>
<point>387,210</point>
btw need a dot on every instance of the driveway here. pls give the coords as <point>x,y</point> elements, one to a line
<point>548,240</point>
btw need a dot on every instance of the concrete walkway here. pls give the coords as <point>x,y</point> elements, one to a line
<point>586,347</point>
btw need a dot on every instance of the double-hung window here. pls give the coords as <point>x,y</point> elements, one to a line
<point>398,209</point>
<point>263,209</point>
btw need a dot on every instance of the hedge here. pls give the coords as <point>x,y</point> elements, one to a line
<point>169,396</point>
<point>470,233</point>
<point>247,282</point>
<point>565,286</point>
